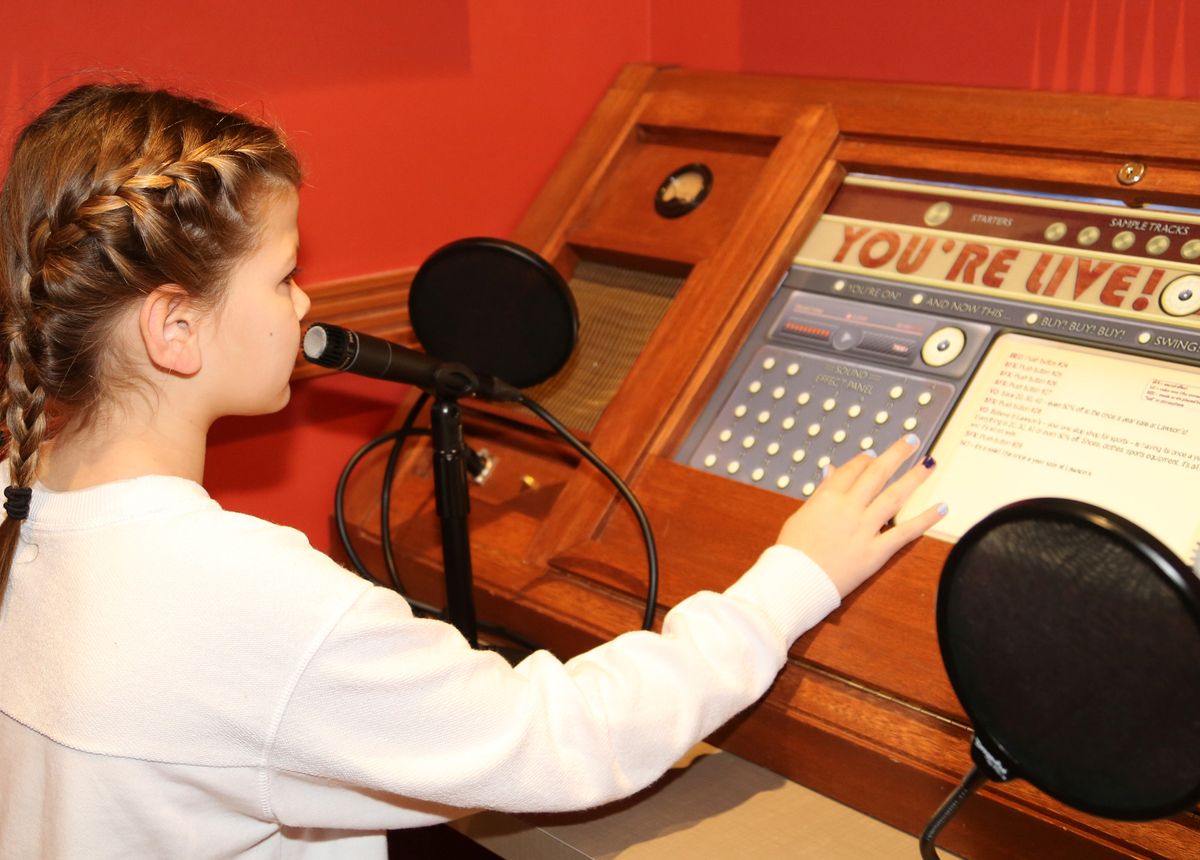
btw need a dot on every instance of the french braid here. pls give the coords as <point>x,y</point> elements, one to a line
<point>112,192</point>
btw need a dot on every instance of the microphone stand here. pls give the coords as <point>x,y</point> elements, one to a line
<point>451,493</point>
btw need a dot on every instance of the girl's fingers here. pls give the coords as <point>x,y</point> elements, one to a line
<point>891,541</point>
<point>882,468</point>
<point>843,477</point>
<point>892,499</point>
<point>839,526</point>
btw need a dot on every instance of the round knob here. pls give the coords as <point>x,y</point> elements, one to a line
<point>1181,297</point>
<point>943,346</point>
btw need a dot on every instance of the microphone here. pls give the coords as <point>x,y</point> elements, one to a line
<point>354,352</point>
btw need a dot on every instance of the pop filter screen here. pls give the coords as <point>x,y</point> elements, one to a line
<point>496,307</point>
<point>1072,639</point>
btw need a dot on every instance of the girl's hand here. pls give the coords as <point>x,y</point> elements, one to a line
<point>839,527</point>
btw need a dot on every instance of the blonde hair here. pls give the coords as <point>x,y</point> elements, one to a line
<point>112,192</point>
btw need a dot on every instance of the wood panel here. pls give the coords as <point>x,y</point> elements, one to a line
<point>373,304</point>
<point>863,712</point>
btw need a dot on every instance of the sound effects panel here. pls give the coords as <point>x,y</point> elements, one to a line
<point>823,378</point>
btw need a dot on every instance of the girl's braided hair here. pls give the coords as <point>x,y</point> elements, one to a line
<point>112,192</point>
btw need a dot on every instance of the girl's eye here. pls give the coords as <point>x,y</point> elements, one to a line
<point>290,280</point>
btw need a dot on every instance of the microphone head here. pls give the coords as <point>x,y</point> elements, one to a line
<point>326,345</point>
<point>496,307</point>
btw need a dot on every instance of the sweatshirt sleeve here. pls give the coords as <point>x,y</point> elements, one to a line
<point>396,721</point>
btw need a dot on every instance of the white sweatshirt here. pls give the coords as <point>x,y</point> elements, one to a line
<point>180,681</point>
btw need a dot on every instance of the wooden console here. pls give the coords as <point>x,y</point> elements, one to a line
<point>863,712</point>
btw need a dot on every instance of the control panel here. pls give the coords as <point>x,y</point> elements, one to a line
<point>822,378</point>
<point>922,309</point>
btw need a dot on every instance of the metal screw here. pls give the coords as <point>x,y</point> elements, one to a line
<point>1131,173</point>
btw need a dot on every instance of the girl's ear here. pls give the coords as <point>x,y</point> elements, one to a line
<point>169,323</point>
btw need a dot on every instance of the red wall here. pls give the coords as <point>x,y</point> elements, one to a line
<point>420,122</point>
<point>417,123</point>
<point>1134,47</point>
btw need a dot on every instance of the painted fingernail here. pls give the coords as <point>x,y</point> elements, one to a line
<point>929,462</point>
<point>870,452</point>
<point>912,439</point>
<point>825,471</point>
<point>943,509</point>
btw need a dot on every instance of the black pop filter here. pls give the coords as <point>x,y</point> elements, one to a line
<point>1071,637</point>
<point>496,307</point>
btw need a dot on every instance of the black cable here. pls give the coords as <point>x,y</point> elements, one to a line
<point>339,514</point>
<point>385,496</point>
<point>397,437</point>
<point>643,523</point>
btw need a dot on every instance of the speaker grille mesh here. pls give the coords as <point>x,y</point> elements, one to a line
<point>619,309</point>
<point>1081,661</point>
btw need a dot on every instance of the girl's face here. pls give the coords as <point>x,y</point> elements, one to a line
<point>252,347</point>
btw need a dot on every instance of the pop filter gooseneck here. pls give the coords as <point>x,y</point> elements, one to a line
<point>1071,637</point>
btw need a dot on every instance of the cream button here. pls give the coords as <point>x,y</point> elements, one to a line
<point>757,474</point>
<point>823,462</point>
<point>778,392</point>
<point>809,488</point>
<point>755,387</point>
<point>854,411</point>
<point>740,410</point>
<point>829,405</point>
<point>733,467</point>
<point>793,369</point>
<point>1190,249</point>
<point>748,442</point>
<point>910,423</point>
<point>768,363</point>
<point>1124,240</point>
<point>924,398</point>
<point>803,397</point>
<point>896,393</point>
<point>1158,245</point>
<point>764,417</point>
<point>788,423</point>
<point>725,435</point>
<point>782,482</point>
<point>839,436</point>
<point>814,429</point>
<point>937,214</point>
<point>881,417</point>
<point>1088,236</point>
<point>867,443</point>
<point>772,449</point>
<point>710,460</point>
<point>1055,231</point>
<point>798,455</point>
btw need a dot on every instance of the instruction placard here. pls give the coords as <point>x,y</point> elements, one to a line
<point>1042,418</point>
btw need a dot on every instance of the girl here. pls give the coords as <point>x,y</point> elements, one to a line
<point>181,681</point>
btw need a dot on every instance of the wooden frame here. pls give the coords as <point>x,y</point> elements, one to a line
<point>863,712</point>
<point>377,304</point>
